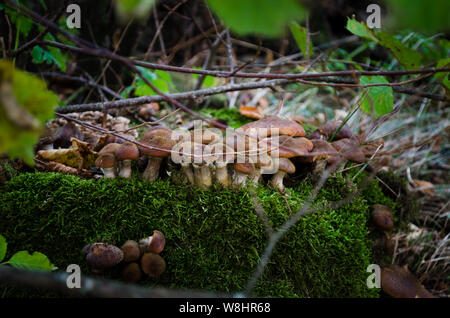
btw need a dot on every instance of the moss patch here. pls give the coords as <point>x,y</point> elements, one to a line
<point>214,238</point>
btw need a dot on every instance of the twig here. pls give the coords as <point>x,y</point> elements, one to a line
<point>91,287</point>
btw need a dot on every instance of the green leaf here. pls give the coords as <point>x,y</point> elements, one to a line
<point>409,58</point>
<point>300,36</point>
<point>360,29</point>
<point>380,99</point>
<point>3,246</point>
<point>29,95</point>
<point>262,17</point>
<point>443,77</point>
<point>208,81</point>
<point>35,261</point>
<point>49,56</point>
<point>425,16</point>
<point>130,9</point>
<point>160,79</point>
<point>22,23</point>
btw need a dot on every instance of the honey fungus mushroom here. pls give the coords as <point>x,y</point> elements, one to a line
<point>223,155</point>
<point>100,256</point>
<point>131,251</point>
<point>107,160</point>
<point>153,244</point>
<point>267,125</point>
<point>241,173</point>
<point>285,166</point>
<point>125,154</point>
<point>160,142</point>
<point>153,265</point>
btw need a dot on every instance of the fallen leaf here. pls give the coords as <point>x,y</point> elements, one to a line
<point>251,112</point>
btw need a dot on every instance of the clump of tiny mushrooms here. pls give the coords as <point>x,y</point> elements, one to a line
<point>268,146</point>
<point>137,259</point>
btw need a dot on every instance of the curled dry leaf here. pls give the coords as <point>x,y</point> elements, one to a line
<point>79,156</point>
<point>424,186</point>
<point>251,112</point>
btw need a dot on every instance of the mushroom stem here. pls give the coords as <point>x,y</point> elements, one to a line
<point>240,179</point>
<point>202,175</point>
<point>205,177</point>
<point>256,176</point>
<point>277,180</point>
<point>109,172</point>
<point>188,172</point>
<point>222,176</point>
<point>151,172</point>
<point>125,170</point>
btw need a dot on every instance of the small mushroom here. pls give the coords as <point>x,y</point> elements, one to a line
<point>398,282</point>
<point>201,164</point>
<point>153,265</point>
<point>125,154</point>
<point>350,149</point>
<point>285,167</point>
<point>242,172</point>
<point>153,244</point>
<point>284,126</point>
<point>131,251</point>
<point>382,217</point>
<point>132,273</point>
<point>223,156</point>
<point>335,130</point>
<point>100,256</point>
<point>160,138</point>
<point>107,160</point>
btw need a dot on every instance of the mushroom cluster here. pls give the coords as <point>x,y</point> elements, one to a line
<point>137,259</point>
<point>272,146</point>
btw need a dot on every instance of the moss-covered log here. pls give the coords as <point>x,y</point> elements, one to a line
<point>214,238</point>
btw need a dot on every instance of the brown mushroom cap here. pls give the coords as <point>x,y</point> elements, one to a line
<point>131,251</point>
<point>159,137</point>
<point>153,265</point>
<point>317,134</point>
<point>101,255</point>
<point>246,168</point>
<point>105,161</point>
<point>132,273</point>
<point>284,126</point>
<point>157,242</point>
<point>398,282</point>
<point>322,150</point>
<point>382,217</point>
<point>286,165</point>
<point>330,128</point>
<point>349,148</point>
<point>110,148</point>
<point>127,151</point>
<point>286,146</point>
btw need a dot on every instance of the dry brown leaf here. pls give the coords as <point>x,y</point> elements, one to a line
<point>424,186</point>
<point>251,112</point>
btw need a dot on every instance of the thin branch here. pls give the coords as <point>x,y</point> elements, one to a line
<point>91,287</point>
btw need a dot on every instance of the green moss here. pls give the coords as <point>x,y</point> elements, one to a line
<point>231,115</point>
<point>214,238</point>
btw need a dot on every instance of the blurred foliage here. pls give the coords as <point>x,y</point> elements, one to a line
<point>301,38</point>
<point>30,99</point>
<point>424,16</point>
<point>261,17</point>
<point>133,9</point>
